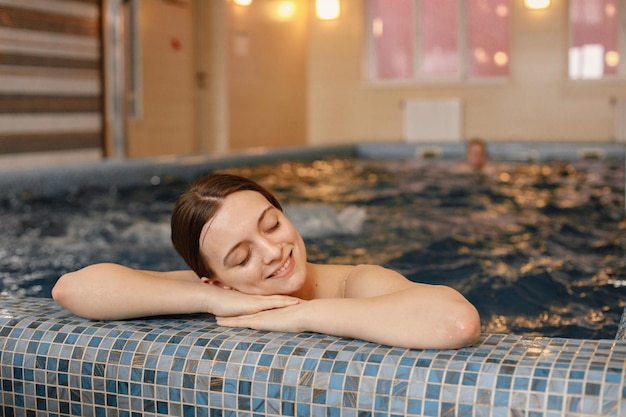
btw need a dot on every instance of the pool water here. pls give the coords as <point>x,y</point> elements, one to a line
<point>539,248</point>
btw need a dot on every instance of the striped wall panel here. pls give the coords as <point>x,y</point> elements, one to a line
<point>51,94</point>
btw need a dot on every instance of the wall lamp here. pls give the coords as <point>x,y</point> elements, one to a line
<point>327,9</point>
<point>537,4</point>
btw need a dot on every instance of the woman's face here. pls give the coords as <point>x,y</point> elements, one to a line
<point>252,247</point>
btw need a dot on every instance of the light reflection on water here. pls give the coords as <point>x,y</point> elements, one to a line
<point>533,245</point>
<point>537,247</point>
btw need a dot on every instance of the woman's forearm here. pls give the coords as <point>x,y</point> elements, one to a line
<point>114,292</point>
<point>425,317</point>
<point>438,319</point>
<point>110,291</point>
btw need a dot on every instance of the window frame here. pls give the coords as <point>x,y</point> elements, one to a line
<point>621,49</point>
<point>460,78</point>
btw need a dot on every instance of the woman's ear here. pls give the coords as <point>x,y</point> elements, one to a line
<point>215,281</point>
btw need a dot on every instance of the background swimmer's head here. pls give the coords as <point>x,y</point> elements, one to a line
<point>476,154</point>
<point>200,204</point>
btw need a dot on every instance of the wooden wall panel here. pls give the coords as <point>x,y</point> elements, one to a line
<point>51,94</point>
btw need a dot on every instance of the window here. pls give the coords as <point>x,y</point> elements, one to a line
<point>392,30</point>
<point>594,50</point>
<point>413,40</point>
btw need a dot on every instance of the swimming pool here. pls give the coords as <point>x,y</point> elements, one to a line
<point>520,242</point>
<point>538,247</point>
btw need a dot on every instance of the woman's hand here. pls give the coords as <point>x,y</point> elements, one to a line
<point>233,304</point>
<point>279,319</point>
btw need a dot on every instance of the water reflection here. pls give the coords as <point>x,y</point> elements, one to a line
<point>538,248</point>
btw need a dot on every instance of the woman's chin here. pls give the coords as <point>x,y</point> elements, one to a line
<point>293,283</point>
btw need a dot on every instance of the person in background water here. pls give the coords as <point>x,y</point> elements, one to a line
<point>249,269</point>
<point>476,154</point>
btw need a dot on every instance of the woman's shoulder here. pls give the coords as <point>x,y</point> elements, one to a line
<point>342,272</point>
<point>330,279</point>
<point>346,272</point>
<point>362,280</point>
<point>367,280</point>
<point>331,272</point>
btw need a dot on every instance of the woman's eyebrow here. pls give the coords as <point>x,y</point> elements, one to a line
<point>237,245</point>
<point>267,210</point>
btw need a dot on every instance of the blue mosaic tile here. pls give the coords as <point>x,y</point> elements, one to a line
<point>52,362</point>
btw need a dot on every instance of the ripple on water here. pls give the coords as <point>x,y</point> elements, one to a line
<point>539,248</point>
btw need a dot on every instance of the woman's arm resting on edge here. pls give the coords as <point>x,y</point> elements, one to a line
<point>114,292</point>
<point>382,307</point>
<point>419,317</point>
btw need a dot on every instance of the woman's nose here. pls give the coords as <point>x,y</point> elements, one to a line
<point>271,251</point>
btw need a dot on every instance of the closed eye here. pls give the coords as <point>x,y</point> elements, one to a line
<point>245,260</point>
<point>274,227</point>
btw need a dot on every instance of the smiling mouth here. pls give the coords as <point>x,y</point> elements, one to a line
<point>283,268</point>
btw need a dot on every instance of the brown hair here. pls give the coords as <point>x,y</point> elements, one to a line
<point>197,206</point>
<point>479,142</point>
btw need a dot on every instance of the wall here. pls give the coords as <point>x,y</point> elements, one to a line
<point>227,77</point>
<point>265,82</point>
<point>167,125</point>
<point>266,75</point>
<point>217,76</point>
<point>537,103</point>
<point>212,66</point>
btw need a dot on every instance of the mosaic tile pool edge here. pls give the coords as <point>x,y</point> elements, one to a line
<point>621,329</point>
<point>54,363</point>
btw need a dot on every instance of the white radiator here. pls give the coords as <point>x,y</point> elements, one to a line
<point>433,120</point>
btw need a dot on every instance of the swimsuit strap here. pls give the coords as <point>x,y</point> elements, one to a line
<point>346,278</point>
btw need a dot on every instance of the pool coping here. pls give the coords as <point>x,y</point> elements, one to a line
<point>55,363</point>
<point>43,181</point>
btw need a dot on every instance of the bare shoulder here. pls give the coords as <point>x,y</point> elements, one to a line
<point>360,281</point>
<point>373,280</point>
<point>329,279</point>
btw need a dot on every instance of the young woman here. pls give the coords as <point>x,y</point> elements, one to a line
<point>249,269</point>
